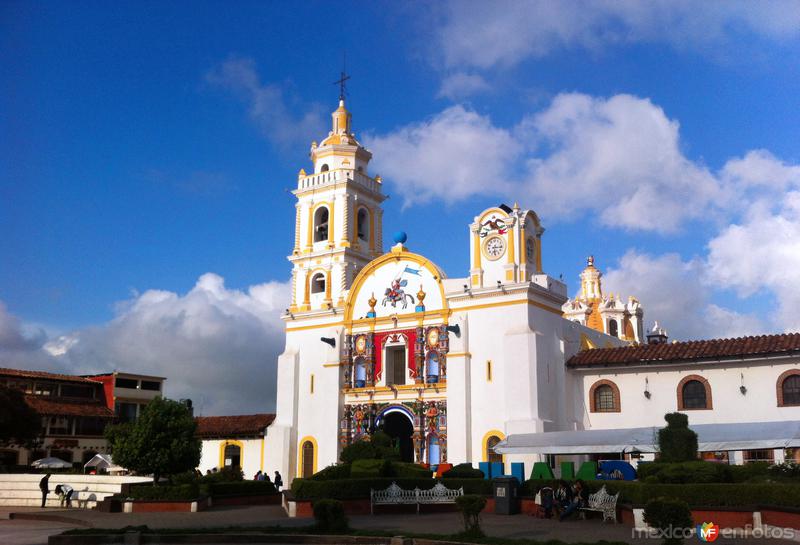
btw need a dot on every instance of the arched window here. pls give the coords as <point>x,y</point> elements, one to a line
<point>307,454</point>
<point>491,455</point>
<point>432,367</point>
<point>360,378</point>
<point>324,168</point>
<point>789,388</point>
<point>318,283</point>
<point>613,328</point>
<point>604,397</point>
<point>321,224</point>
<point>362,225</point>
<point>233,456</point>
<point>694,392</point>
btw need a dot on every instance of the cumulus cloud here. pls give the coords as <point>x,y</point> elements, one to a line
<point>762,254</point>
<point>450,156</point>
<point>216,346</point>
<point>485,34</point>
<point>672,291</point>
<point>269,104</point>
<point>459,85</point>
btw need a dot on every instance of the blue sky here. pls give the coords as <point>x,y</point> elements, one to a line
<point>145,144</point>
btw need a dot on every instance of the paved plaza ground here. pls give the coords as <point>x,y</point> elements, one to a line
<point>35,532</point>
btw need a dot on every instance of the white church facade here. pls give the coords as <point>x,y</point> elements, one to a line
<point>451,367</point>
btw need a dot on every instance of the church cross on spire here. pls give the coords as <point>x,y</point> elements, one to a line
<point>343,77</point>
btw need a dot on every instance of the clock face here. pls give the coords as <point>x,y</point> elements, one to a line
<point>433,337</point>
<point>495,247</point>
<point>361,344</point>
<point>529,249</point>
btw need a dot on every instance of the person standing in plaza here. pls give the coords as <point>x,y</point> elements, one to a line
<point>278,482</point>
<point>44,486</point>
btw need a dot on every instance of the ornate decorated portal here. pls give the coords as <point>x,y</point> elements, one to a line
<point>426,419</point>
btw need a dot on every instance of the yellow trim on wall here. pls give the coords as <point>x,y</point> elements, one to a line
<point>508,303</point>
<point>314,326</point>
<point>303,441</point>
<point>485,440</point>
<point>222,451</point>
<point>311,384</point>
<point>488,370</point>
<point>476,251</point>
<point>261,467</point>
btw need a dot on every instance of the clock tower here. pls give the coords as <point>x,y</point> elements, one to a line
<point>506,246</point>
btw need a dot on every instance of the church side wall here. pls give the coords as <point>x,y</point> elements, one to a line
<point>212,451</point>
<point>758,404</point>
<point>318,411</point>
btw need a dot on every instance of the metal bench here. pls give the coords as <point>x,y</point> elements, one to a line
<point>603,502</point>
<point>394,495</point>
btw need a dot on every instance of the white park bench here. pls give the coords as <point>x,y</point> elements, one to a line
<point>603,502</point>
<point>394,495</point>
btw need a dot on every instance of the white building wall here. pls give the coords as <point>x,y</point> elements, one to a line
<point>251,455</point>
<point>729,405</point>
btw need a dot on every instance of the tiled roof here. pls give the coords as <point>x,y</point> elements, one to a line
<point>56,407</point>
<point>232,426</point>
<point>22,373</point>
<point>712,349</point>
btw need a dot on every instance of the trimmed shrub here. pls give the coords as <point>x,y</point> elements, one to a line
<point>242,488</point>
<point>676,442</point>
<point>696,495</point>
<point>403,470</point>
<point>367,469</point>
<point>685,472</point>
<point>463,471</point>
<point>330,517</point>
<point>335,471</point>
<point>668,514</point>
<point>165,493</point>
<point>471,506</point>
<point>787,471</point>
<point>377,446</point>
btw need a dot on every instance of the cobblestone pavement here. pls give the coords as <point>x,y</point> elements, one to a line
<point>30,532</point>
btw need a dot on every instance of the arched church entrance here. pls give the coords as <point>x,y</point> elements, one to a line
<point>398,425</point>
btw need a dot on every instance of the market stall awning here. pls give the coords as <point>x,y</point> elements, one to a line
<point>710,438</point>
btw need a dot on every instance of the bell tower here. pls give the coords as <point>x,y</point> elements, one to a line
<point>338,226</point>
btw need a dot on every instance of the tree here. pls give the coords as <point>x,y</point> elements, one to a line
<point>19,423</point>
<point>161,441</point>
<point>676,442</point>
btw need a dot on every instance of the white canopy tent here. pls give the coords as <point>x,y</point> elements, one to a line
<point>710,438</point>
<point>103,461</point>
<point>51,463</point>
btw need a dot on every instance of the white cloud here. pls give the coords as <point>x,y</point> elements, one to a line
<point>486,34</point>
<point>671,291</point>
<point>762,254</point>
<point>462,84</point>
<point>217,346</point>
<point>450,156</point>
<point>269,104</point>
<point>619,157</point>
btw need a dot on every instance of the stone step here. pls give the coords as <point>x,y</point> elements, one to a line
<point>96,487</point>
<point>5,494</point>
<point>37,503</point>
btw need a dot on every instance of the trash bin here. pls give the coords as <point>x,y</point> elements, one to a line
<point>506,496</point>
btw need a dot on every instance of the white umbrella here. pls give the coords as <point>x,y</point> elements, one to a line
<point>51,463</point>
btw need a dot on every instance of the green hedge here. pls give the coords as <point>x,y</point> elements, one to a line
<point>369,469</point>
<point>165,493</point>
<point>685,472</point>
<point>463,471</point>
<point>242,488</point>
<point>340,489</point>
<point>696,495</point>
<point>336,471</point>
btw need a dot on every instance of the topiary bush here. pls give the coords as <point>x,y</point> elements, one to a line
<point>365,469</point>
<point>685,472</point>
<point>676,442</point>
<point>787,471</point>
<point>335,471</point>
<point>471,506</point>
<point>404,470</point>
<point>463,471</point>
<point>330,517</point>
<point>669,515</point>
<point>377,446</point>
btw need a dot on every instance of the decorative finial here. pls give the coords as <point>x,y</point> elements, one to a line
<point>516,205</point>
<point>590,261</point>
<point>343,77</point>
<point>421,295</point>
<point>372,302</point>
